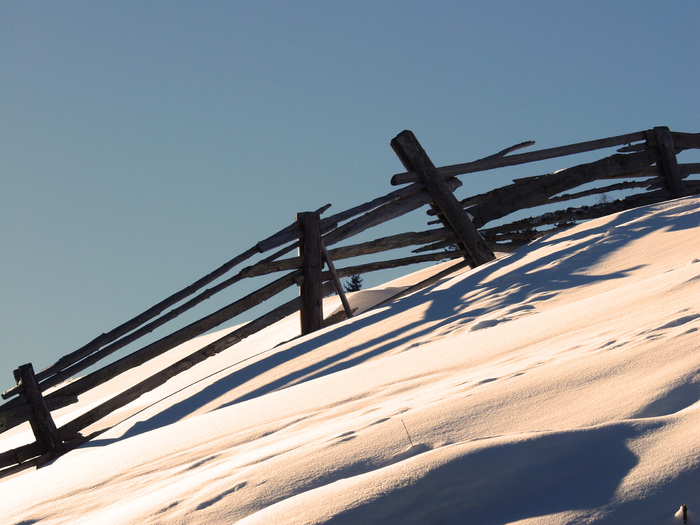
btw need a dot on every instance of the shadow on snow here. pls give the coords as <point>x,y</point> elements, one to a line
<point>543,278</point>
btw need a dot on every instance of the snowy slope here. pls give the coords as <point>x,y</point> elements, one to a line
<point>559,384</point>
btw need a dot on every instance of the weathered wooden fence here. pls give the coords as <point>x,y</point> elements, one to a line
<point>647,161</point>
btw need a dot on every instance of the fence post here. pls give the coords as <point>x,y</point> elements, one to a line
<point>668,161</point>
<point>42,423</point>
<point>414,158</point>
<point>311,289</point>
<point>336,281</point>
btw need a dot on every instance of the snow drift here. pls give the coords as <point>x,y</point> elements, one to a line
<point>558,384</point>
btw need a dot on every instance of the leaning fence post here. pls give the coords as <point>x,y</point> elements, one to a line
<point>311,289</point>
<point>414,158</point>
<point>42,423</point>
<point>668,161</point>
<point>336,281</point>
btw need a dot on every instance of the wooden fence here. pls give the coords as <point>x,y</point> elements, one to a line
<point>647,161</point>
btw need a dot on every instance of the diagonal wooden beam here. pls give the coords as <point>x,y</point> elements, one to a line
<point>493,162</point>
<point>336,281</point>
<point>414,158</point>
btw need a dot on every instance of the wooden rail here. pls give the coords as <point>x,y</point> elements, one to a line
<point>646,168</point>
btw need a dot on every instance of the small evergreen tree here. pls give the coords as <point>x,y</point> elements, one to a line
<point>603,199</point>
<point>354,285</point>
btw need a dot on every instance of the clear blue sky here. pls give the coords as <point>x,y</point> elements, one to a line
<point>145,143</point>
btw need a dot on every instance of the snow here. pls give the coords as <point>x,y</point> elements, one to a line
<point>557,384</point>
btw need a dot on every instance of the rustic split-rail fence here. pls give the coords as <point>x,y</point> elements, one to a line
<point>644,168</point>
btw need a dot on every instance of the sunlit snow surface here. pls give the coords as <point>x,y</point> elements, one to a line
<point>558,384</point>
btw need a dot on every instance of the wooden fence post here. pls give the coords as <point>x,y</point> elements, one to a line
<point>336,281</point>
<point>42,423</point>
<point>311,289</point>
<point>668,161</point>
<point>414,158</point>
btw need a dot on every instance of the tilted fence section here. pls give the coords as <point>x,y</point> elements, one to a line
<point>305,253</point>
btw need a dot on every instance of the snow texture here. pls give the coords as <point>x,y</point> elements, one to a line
<point>557,384</point>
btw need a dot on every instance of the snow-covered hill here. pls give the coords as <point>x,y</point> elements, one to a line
<point>558,384</point>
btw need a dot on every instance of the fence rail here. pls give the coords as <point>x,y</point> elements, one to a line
<point>647,161</point>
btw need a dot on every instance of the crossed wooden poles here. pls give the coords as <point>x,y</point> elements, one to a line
<point>450,212</point>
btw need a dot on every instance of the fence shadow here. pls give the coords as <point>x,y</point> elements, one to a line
<point>548,276</point>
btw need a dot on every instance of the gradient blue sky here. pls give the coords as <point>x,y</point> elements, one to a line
<point>145,143</point>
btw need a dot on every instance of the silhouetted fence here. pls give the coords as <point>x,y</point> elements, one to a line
<point>647,162</point>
